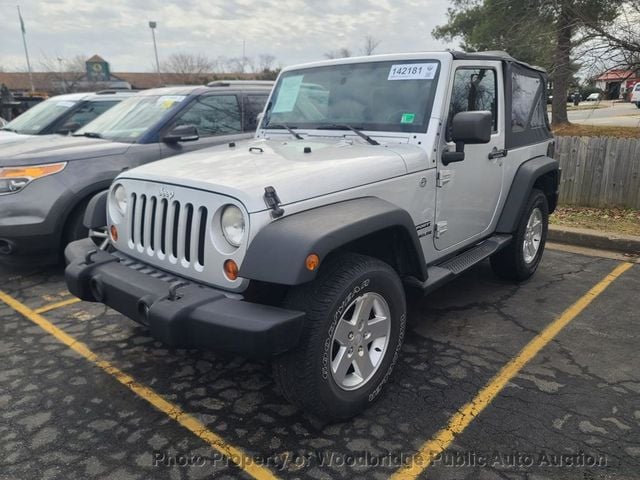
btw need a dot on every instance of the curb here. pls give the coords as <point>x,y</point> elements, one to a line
<point>593,239</point>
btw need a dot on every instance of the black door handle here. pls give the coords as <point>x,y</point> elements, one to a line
<point>495,153</point>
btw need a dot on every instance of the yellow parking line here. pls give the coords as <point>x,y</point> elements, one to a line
<point>60,304</point>
<point>461,420</point>
<point>234,454</point>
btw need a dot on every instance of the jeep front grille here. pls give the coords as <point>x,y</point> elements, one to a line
<point>168,228</point>
<point>176,229</point>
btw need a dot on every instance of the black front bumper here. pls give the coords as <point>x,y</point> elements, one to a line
<point>180,314</point>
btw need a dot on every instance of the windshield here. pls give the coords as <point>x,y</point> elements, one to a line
<point>130,119</point>
<point>40,116</point>
<point>383,96</point>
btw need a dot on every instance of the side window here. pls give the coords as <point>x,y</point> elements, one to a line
<point>253,105</point>
<point>213,115</point>
<point>89,111</point>
<point>523,95</point>
<point>474,89</point>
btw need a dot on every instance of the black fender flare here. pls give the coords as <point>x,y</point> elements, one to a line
<point>525,178</point>
<point>278,252</point>
<point>95,216</point>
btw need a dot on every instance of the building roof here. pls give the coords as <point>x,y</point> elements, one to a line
<point>44,81</point>
<point>617,75</point>
<point>96,59</point>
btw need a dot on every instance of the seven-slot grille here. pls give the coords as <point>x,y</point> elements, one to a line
<point>164,227</point>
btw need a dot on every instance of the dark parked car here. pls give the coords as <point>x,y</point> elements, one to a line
<point>62,114</point>
<point>46,182</point>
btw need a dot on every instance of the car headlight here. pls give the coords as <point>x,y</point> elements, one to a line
<point>120,199</point>
<point>232,224</point>
<point>14,179</point>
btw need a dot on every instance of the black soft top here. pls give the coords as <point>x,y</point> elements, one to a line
<point>493,55</point>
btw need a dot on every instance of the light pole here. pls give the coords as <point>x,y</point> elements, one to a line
<point>152,26</point>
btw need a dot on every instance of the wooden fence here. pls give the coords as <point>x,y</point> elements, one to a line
<point>599,171</point>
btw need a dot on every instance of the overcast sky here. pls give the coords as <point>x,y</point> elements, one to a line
<point>294,31</point>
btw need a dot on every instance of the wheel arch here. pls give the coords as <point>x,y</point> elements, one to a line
<point>542,173</point>
<point>84,196</point>
<point>368,225</point>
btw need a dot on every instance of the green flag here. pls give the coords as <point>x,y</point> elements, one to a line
<point>21,22</point>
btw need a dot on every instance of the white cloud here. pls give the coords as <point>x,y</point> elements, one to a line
<point>294,31</point>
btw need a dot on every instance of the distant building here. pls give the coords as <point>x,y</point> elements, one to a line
<point>98,76</point>
<point>617,83</point>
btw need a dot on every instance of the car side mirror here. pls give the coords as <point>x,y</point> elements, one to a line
<point>259,118</point>
<point>471,128</point>
<point>68,128</point>
<point>181,133</point>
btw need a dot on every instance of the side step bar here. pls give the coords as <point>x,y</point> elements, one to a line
<point>451,268</point>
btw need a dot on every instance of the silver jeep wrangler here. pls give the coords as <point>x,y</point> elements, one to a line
<point>367,177</point>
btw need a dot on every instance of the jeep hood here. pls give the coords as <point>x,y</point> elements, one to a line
<point>244,171</point>
<point>55,148</point>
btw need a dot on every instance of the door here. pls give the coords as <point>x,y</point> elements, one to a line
<point>468,192</point>
<point>217,118</point>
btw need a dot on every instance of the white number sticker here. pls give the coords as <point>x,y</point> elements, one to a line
<point>413,71</point>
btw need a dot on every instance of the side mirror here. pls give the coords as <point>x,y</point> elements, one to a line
<point>181,133</point>
<point>68,128</point>
<point>259,118</point>
<point>471,128</point>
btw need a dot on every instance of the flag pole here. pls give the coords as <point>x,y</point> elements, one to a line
<point>26,51</point>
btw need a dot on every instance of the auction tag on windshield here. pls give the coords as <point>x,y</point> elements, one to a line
<point>288,94</point>
<point>167,101</point>
<point>413,71</point>
<point>65,104</point>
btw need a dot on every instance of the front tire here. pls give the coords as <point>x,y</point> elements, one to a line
<point>355,324</point>
<point>521,258</point>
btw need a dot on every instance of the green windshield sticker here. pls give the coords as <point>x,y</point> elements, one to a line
<point>288,94</point>
<point>407,118</point>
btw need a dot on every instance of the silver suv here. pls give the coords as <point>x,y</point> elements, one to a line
<point>62,114</point>
<point>368,177</point>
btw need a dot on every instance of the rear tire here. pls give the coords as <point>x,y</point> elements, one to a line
<point>351,340</point>
<point>521,258</point>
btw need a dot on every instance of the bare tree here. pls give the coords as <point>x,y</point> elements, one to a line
<point>64,75</point>
<point>616,45</point>
<point>266,62</point>
<point>340,53</point>
<point>370,45</point>
<point>240,65</point>
<point>187,67</point>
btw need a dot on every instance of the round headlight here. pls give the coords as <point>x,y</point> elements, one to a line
<point>120,199</point>
<point>232,224</point>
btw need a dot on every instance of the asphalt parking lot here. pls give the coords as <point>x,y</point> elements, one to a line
<point>139,410</point>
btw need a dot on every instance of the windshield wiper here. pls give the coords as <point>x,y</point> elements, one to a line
<point>88,135</point>
<point>336,126</point>
<point>286,127</point>
<point>9,129</point>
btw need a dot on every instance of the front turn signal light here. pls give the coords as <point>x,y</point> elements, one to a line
<point>32,172</point>
<point>14,179</point>
<point>231,269</point>
<point>312,262</point>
